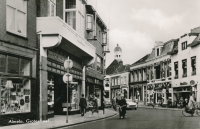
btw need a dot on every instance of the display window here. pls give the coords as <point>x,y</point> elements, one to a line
<point>15,95</point>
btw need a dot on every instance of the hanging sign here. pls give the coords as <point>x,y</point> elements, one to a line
<point>170,90</point>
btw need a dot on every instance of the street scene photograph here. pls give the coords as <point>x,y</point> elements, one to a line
<point>99,64</point>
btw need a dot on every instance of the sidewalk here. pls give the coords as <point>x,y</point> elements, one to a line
<point>60,121</point>
<point>160,108</point>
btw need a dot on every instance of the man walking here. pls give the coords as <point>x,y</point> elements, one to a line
<point>82,105</point>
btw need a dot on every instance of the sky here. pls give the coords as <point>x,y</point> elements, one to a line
<point>137,24</point>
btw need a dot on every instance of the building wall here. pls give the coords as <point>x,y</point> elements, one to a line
<point>30,40</point>
<point>186,54</point>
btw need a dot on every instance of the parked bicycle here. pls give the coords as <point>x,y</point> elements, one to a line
<point>189,112</point>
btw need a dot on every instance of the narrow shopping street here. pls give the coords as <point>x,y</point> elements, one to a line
<point>145,118</point>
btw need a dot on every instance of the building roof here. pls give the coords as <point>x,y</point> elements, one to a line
<point>117,48</point>
<point>141,61</point>
<point>113,66</point>
<point>167,48</point>
<point>123,68</point>
<point>195,42</point>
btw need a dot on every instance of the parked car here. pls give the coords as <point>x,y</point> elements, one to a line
<point>108,104</point>
<point>131,104</point>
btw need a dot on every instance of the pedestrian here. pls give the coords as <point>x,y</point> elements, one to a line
<point>114,103</point>
<point>185,103</point>
<point>191,102</point>
<point>122,103</point>
<point>95,105</point>
<point>83,105</point>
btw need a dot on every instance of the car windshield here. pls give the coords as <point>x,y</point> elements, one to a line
<point>129,100</point>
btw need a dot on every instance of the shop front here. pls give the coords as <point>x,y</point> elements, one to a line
<point>57,90</point>
<point>18,94</point>
<point>115,92</point>
<point>94,87</point>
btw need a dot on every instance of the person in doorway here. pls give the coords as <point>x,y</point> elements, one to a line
<point>191,103</point>
<point>83,105</point>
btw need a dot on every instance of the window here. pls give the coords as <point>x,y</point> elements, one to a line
<point>193,64</point>
<point>104,37</point>
<point>89,22</point>
<point>157,51</point>
<point>51,8</point>
<point>16,17</point>
<point>70,19</point>
<point>15,95</point>
<point>184,67</point>
<point>184,45</point>
<point>15,65</point>
<point>74,15</point>
<point>118,80</point>
<point>176,70</point>
<point>125,80</point>
<point>113,82</point>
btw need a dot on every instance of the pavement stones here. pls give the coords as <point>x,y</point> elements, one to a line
<point>59,121</point>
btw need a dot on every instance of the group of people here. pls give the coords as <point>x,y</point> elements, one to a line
<point>94,106</point>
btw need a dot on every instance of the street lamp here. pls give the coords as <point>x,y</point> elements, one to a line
<point>67,78</point>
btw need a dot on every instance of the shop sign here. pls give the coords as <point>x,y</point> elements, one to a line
<point>183,83</point>
<point>192,82</point>
<point>170,90</point>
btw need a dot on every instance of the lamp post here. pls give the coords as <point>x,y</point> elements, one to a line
<point>67,78</point>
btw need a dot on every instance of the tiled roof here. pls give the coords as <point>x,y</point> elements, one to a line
<point>195,42</point>
<point>141,61</point>
<point>152,55</point>
<point>168,47</point>
<point>113,66</point>
<point>123,68</point>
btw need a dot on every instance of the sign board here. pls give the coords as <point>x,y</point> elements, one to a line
<point>170,90</point>
<point>64,109</point>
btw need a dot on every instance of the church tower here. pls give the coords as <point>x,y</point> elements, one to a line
<point>118,53</point>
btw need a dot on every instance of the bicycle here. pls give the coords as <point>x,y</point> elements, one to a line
<point>189,112</point>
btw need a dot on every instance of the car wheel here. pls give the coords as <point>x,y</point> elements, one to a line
<point>135,108</point>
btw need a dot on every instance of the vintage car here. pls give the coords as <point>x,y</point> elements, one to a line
<point>131,104</point>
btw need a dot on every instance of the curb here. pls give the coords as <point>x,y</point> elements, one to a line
<point>84,122</point>
<point>162,108</point>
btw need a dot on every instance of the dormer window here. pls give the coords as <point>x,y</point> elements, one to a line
<point>157,51</point>
<point>184,45</point>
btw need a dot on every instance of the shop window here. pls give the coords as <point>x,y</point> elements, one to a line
<point>14,65</point>
<point>16,17</point>
<point>184,67</point>
<point>184,45</point>
<point>2,63</point>
<point>51,8</point>
<point>15,95</point>
<point>176,70</point>
<point>193,64</point>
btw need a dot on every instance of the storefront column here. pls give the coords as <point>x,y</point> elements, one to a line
<point>143,93</point>
<point>83,82</point>
<point>198,94</point>
<point>43,89</point>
